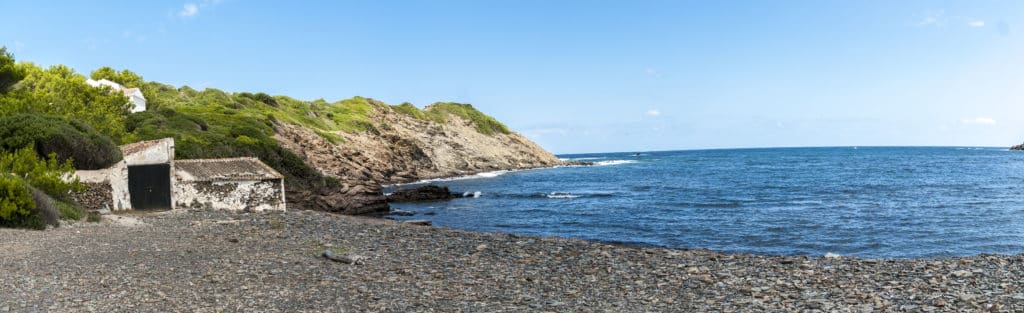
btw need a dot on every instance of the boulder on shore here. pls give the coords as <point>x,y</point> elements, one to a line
<point>352,199</point>
<point>422,193</point>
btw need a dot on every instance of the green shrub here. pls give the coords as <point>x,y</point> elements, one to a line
<point>45,174</point>
<point>409,109</point>
<point>486,125</point>
<point>125,78</point>
<point>16,204</point>
<point>10,73</point>
<point>68,139</point>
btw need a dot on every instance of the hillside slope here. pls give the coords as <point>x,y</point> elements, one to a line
<point>334,156</point>
<point>403,148</point>
<point>406,149</point>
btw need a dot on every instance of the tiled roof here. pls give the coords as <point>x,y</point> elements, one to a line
<point>133,148</point>
<point>224,170</point>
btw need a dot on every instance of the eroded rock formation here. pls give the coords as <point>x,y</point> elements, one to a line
<point>401,149</point>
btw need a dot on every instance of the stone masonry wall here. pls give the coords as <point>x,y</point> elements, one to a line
<point>252,196</point>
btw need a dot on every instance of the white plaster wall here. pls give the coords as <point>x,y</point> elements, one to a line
<point>255,196</point>
<point>118,178</point>
<point>93,176</point>
<point>160,153</point>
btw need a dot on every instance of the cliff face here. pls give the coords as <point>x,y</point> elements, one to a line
<point>402,148</point>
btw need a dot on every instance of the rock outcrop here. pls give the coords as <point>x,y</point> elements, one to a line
<point>401,148</point>
<point>1017,147</point>
<point>420,194</point>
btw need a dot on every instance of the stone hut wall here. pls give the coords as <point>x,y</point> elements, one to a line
<point>248,195</point>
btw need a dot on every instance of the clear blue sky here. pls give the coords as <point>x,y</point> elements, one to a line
<point>586,76</point>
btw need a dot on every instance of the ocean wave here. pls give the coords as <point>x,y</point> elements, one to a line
<point>444,179</point>
<point>471,194</point>
<point>561,195</point>
<point>584,159</point>
<point>613,162</point>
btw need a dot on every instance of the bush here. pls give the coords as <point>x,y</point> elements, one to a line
<point>486,125</point>
<point>16,203</point>
<point>411,110</point>
<point>45,174</point>
<point>10,73</point>
<point>88,148</point>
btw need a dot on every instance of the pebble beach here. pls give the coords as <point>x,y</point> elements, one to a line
<point>207,261</point>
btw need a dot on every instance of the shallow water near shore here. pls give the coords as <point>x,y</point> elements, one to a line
<point>876,202</point>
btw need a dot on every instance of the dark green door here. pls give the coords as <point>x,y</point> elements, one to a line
<point>149,186</point>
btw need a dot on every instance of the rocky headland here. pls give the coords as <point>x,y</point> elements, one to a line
<point>400,149</point>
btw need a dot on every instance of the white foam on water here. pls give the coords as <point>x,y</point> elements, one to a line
<point>613,162</point>
<point>584,159</point>
<point>475,176</point>
<point>477,194</point>
<point>491,174</point>
<point>561,195</point>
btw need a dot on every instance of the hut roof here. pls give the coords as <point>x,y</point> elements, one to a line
<point>232,169</point>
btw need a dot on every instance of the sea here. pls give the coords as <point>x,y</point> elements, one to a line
<point>870,202</point>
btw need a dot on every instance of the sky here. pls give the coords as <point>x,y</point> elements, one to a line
<point>585,76</point>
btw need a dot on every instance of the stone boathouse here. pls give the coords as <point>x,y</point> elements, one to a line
<point>149,178</point>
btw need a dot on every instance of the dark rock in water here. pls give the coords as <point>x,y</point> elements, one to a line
<point>430,213</point>
<point>1017,147</point>
<point>577,163</point>
<point>422,193</point>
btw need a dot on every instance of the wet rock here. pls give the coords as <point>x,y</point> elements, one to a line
<point>422,193</point>
<point>418,222</point>
<point>351,199</point>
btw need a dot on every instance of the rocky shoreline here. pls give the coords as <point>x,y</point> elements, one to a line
<point>205,261</point>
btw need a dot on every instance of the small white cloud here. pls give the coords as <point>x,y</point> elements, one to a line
<point>930,18</point>
<point>653,112</point>
<point>190,9</point>
<point>978,121</point>
<point>652,72</point>
<point>976,23</point>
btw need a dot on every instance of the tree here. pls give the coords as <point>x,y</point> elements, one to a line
<point>60,91</point>
<point>126,78</point>
<point>10,73</point>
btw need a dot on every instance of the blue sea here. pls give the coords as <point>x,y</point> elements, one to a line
<point>875,202</point>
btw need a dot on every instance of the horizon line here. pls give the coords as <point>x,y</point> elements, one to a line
<point>785,147</point>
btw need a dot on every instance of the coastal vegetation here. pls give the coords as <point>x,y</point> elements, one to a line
<point>34,191</point>
<point>440,112</point>
<point>52,114</point>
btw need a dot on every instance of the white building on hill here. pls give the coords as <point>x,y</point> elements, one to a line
<point>134,94</point>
